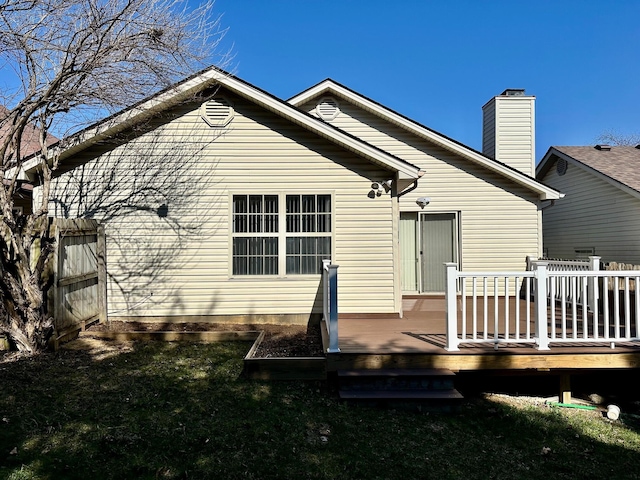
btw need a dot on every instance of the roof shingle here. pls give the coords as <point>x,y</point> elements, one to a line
<point>621,164</point>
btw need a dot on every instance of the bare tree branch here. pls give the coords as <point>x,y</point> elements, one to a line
<point>67,63</point>
<point>612,137</point>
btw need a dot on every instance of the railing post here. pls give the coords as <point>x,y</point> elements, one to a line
<point>594,294</point>
<point>333,309</point>
<point>530,261</point>
<point>325,290</point>
<point>451,295</point>
<point>540,283</point>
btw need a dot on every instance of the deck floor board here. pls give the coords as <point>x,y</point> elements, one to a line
<point>422,329</point>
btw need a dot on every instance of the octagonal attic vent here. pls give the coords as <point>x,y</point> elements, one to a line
<point>328,108</point>
<point>217,112</point>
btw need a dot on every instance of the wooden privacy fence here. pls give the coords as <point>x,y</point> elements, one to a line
<point>78,296</point>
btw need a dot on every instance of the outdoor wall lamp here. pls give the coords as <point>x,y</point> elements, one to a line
<point>423,201</point>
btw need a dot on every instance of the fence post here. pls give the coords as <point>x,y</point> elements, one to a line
<point>540,283</point>
<point>451,295</point>
<point>101,252</point>
<point>333,309</point>
<point>594,294</point>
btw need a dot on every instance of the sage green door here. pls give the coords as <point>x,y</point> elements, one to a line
<point>438,245</point>
<point>409,251</point>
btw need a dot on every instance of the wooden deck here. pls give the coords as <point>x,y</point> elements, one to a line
<point>418,339</point>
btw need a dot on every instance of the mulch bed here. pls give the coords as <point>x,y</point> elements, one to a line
<point>279,340</point>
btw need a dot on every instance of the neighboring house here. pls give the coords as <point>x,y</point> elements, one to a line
<point>30,144</point>
<point>220,201</point>
<point>600,214</point>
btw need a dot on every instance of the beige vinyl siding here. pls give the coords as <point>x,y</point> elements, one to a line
<point>594,213</point>
<point>498,219</point>
<point>489,129</point>
<point>160,270</point>
<point>514,132</point>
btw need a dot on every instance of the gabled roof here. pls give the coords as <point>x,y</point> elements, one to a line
<point>332,87</point>
<point>211,77</point>
<point>30,142</point>
<point>617,165</point>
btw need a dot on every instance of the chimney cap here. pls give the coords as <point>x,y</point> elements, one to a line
<point>513,92</point>
<point>603,148</point>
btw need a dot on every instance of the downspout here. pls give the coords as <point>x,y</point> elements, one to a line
<point>410,189</point>
<point>551,204</point>
<point>540,228</point>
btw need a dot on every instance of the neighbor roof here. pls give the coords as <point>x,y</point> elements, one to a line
<point>332,87</point>
<point>30,142</point>
<point>619,165</point>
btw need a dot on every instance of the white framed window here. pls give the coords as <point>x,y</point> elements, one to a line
<point>280,234</point>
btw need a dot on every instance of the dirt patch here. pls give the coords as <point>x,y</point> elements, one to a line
<point>279,340</point>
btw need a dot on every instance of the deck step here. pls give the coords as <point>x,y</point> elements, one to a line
<point>451,394</point>
<point>390,386</point>
<point>397,372</point>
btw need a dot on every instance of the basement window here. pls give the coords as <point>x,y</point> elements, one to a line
<point>217,112</point>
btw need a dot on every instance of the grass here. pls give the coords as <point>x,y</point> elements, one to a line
<point>169,410</point>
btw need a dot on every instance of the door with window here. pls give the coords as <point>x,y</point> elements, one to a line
<point>427,242</point>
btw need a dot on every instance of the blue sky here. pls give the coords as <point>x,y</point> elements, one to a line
<point>438,62</point>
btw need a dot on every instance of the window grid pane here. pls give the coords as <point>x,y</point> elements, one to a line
<point>255,213</point>
<point>308,213</point>
<point>255,256</point>
<point>305,254</point>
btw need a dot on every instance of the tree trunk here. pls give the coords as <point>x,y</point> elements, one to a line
<point>22,294</point>
<point>26,324</point>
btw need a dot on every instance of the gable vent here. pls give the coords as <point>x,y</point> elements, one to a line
<point>328,108</point>
<point>561,166</point>
<point>217,112</point>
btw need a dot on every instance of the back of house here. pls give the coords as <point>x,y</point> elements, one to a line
<point>222,204</point>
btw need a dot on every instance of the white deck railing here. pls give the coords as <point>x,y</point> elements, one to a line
<point>330,303</point>
<point>500,307</point>
<point>565,292</point>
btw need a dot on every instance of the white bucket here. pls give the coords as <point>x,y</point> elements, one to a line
<point>613,412</point>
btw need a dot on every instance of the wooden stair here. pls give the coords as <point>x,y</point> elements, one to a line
<point>423,389</point>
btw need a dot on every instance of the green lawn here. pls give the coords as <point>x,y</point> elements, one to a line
<point>168,410</point>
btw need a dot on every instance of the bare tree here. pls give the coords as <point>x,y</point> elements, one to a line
<point>619,139</point>
<point>66,64</point>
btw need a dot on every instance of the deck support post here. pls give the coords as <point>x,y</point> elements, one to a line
<point>564,395</point>
<point>540,283</point>
<point>451,296</point>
